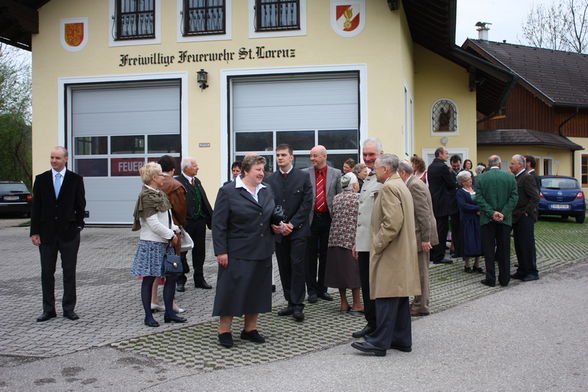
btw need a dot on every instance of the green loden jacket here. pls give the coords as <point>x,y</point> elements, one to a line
<point>496,191</point>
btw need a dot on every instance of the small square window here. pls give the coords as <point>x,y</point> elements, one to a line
<point>277,15</point>
<point>203,17</point>
<point>135,19</point>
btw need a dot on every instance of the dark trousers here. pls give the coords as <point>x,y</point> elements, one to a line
<point>524,241</point>
<point>369,306</point>
<point>291,253</point>
<point>393,328</point>
<point>69,257</point>
<point>438,251</point>
<point>496,248</point>
<point>455,237</point>
<point>317,245</point>
<point>196,230</point>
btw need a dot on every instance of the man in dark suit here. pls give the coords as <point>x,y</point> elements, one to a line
<point>496,194</point>
<point>524,217</point>
<point>292,190</point>
<point>326,183</point>
<point>442,185</point>
<point>531,165</point>
<point>56,221</point>
<point>198,217</point>
<point>455,162</point>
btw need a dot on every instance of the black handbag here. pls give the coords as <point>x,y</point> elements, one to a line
<point>172,263</point>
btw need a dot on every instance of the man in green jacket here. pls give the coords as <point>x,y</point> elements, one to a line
<point>496,194</point>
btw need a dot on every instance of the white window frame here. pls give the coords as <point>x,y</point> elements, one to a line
<point>550,161</point>
<point>408,126</point>
<point>282,33</point>
<point>206,37</point>
<point>132,42</point>
<point>443,133</point>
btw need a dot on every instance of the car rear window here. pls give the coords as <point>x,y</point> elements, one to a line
<point>13,188</point>
<point>559,183</point>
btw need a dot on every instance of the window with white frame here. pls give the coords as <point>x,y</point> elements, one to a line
<point>444,117</point>
<point>204,17</point>
<point>277,18</point>
<point>135,19</point>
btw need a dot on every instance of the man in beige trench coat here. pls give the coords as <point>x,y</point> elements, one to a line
<point>394,273</point>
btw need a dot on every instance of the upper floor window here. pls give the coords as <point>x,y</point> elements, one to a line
<point>277,15</point>
<point>135,19</point>
<point>203,17</point>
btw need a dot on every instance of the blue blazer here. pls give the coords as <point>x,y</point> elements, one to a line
<point>240,225</point>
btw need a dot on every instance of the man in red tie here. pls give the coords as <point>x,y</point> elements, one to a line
<point>326,183</point>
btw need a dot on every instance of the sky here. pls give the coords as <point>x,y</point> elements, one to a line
<point>506,16</point>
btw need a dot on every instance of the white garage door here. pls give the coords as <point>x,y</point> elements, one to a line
<point>302,111</point>
<point>115,129</point>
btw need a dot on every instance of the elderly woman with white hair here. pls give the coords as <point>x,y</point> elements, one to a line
<point>158,236</point>
<point>469,228</point>
<point>342,270</point>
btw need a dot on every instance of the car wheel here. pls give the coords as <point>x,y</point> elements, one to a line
<point>580,218</point>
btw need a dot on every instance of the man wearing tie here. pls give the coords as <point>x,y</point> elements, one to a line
<point>56,221</point>
<point>292,190</point>
<point>326,183</point>
<point>199,216</point>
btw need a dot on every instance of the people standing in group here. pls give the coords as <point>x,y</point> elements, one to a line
<point>158,236</point>
<point>426,233</point>
<point>198,218</point>
<point>524,217</point>
<point>326,183</point>
<point>469,215</point>
<point>419,168</point>
<point>292,190</point>
<point>57,218</point>
<point>243,244</point>
<point>455,162</point>
<point>348,165</point>
<point>235,171</point>
<point>496,194</point>
<point>442,185</point>
<point>531,166</point>
<point>342,271</point>
<point>394,272</point>
<point>371,150</point>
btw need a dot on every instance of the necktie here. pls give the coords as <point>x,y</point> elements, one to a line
<point>192,181</point>
<point>285,175</point>
<point>57,184</point>
<point>320,200</point>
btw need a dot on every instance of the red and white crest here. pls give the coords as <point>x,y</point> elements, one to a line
<point>74,34</point>
<point>348,17</point>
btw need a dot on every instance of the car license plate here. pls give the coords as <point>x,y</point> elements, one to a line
<point>11,198</point>
<point>560,207</point>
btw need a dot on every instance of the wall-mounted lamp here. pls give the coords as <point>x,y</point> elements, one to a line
<point>202,78</point>
<point>444,140</point>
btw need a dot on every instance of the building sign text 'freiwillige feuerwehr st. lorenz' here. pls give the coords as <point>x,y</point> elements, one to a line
<point>184,56</point>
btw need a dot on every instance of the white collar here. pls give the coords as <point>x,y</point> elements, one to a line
<point>62,172</point>
<point>286,172</point>
<point>188,177</point>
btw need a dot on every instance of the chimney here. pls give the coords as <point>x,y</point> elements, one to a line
<point>483,28</point>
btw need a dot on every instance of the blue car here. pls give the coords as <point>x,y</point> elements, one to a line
<point>563,196</point>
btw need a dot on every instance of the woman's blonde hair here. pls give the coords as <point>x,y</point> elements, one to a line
<point>148,171</point>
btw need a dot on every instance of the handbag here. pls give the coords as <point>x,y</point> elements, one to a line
<point>278,215</point>
<point>172,263</point>
<point>186,242</point>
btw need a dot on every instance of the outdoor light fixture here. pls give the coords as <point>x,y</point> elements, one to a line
<point>202,78</point>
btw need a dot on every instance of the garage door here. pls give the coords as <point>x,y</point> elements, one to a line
<point>115,129</point>
<point>302,111</point>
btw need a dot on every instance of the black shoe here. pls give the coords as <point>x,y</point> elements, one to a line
<point>201,284</point>
<point>326,296</point>
<point>180,287</point>
<point>174,319</point>
<point>225,339</point>
<point>444,261</point>
<point>273,288</point>
<point>312,298</point>
<point>467,270</point>
<point>518,275</point>
<point>151,323</point>
<point>365,331</point>
<point>46,316</point>
<point>530,278</point>
<point>71,315</point>
<point>286,311</point>
<point>405,349</point>
<point>298,315</point>
<point>367,347</point>
<point>478,270</point>
<point>488,283</point>
<point>252,336</point>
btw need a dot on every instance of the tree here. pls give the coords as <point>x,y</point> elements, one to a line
<point>15,117</point>
<point>560,26</point>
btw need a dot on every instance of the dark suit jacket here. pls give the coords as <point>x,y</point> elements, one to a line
<point>496,191</point>
<point>60,218</point>
<point>536,178</point>
<point>191,198</point>
<point>528,197</point>
<point>294,194</point>
<point>240,225</point>
<point>442,186</point>
<point>333,186</point>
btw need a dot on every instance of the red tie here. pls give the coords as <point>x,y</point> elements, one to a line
<point>320,200</point>
<point>192,181</point>
<point>285,175</point>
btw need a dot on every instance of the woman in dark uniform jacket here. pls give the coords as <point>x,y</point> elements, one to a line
<point>243,245</point>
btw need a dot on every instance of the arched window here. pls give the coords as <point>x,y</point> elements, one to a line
<point>444,116</point>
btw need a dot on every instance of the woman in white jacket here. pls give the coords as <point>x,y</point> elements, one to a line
<point>158,236</point>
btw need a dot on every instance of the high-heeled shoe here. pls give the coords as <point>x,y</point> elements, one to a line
<point>174,319</point>
<point>177,309</point>
<point>157,308</point>
<point>151,323</point>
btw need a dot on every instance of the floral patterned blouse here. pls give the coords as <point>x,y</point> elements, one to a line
<point>344,220</point>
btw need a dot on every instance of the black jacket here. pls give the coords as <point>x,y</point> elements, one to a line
<point>442,185</point>
<point>61,218</point>
<point>528,197</point>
